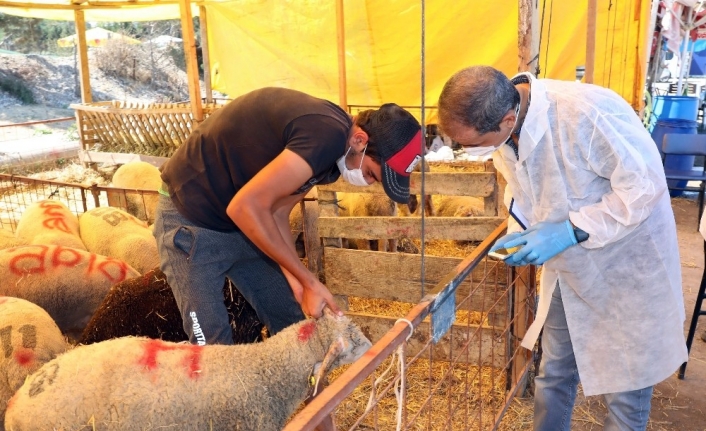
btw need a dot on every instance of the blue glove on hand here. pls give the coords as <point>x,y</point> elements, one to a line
<point>500,243</point>
<point>541,242</point>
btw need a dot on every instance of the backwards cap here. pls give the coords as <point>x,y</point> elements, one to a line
<point>398,137</point>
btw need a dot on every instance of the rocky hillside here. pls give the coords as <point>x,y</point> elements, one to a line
<point>51,81</point>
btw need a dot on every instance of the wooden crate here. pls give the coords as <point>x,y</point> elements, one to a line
<point>155,129</point>
<point>396,276</point>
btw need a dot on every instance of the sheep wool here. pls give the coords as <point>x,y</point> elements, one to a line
<point>115,233</point>
<point>30,339</point>
<point>144,176</point>
<point>145,307</point>
<point>49,223</point>
<point>368,205</point>
<point>459,206</point>
<point>68,283</point>
<point>9,240</point>
<point>154,384</point>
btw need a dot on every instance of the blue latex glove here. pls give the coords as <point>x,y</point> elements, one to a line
<point>541,242</point>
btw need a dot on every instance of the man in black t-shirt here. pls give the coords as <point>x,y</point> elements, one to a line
<point>229,189</point>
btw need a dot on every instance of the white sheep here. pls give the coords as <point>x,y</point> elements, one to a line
<point>368,205</point>
<point>138,383</point>
<point>459,206</point>
<point>139,175</point>
<point>30,338</point>
<point>68,283</point>
<point>115,233</point>
<point>9,240</point>
<point>50,223</point>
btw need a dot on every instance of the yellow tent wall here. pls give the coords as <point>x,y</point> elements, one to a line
<point>260,43</point>
<point>256,43</point>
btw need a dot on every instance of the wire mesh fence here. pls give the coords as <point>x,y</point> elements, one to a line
<point>465,381</point>
<point>18,192</point>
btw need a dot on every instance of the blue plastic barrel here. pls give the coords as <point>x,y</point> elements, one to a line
<point>682,163</point>
<point>675,108</point>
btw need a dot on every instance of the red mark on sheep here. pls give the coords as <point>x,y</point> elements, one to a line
<point>24,357</point>
<point>306,331</point>
<point>56,216</point>
<point>29,263</point>
<point>105,268</point>
<point>191,361</point>
<point>65,257</point>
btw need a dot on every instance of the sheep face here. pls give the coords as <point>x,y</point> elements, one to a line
<point>350,345</point>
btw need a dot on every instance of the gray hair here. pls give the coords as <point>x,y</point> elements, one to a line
<point>477,97</point>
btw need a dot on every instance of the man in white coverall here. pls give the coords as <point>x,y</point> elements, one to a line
<point>589,188</point>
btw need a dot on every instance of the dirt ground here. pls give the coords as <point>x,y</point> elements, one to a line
<point>677,405</point>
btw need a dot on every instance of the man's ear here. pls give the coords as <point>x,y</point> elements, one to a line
<point>510,118</point>
<point>358,139</point>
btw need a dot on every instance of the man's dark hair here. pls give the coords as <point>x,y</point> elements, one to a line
<point>363,120</point>
<point>478,97</point>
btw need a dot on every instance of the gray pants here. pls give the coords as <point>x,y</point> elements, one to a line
<point>196,262</point>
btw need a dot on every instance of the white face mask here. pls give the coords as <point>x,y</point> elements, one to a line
<point>352,176</point>
<point>486,151</point>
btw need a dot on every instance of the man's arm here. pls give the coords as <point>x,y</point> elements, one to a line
<point>252,209</point>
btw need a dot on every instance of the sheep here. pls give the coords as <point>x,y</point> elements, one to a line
<point>30,338</point>
<point>367,205</point>
<point>49,223</point>
<point>154,384</point>
<point>9,240</point>
<point>68,283</point>
<point>145,307</point>
<point>139,175</point>
<point>459,206</point>
<point>112,232</point>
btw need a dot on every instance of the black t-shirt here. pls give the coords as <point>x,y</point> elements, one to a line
<point>241,138</point>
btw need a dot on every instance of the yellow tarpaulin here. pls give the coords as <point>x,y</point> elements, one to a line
<point>256,43</point>
<point>95,37</point>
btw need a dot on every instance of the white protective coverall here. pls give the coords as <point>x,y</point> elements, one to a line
<point>585,156</point>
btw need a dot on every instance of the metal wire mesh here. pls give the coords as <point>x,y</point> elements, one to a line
<point>17,193</point>
<point>463,382</point>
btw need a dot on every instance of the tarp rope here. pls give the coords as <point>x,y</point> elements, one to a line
<point>549,32</point>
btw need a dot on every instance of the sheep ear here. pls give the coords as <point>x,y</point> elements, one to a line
<point>334,351</point>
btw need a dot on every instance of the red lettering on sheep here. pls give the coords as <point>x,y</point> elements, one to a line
<point>70,256</point>
<point>306,331</point>
<point>191,360</point>
<point>104,268</point>
<point>20,264</point>
<point>55,219</point>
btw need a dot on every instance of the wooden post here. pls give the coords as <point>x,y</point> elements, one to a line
<point>205,54</point>
<point>590,40</point>
<point>341,39</point>
<point>192,67</point>
<point>82,48</point>
<point>524,35</point>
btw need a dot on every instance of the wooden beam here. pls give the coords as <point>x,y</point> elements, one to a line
<point>192,68</point>
<point>397,277</point>
<point>485,344</point>
<point>528,36</point>
<point>457,228</point>
<point>591,40</point>
<point>205,55</point>
<point>341,48</point>
<point>480,184</point>
<point>82,47</point>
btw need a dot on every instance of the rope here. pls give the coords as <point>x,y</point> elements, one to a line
<point>541,32</point>
<point>399,385</point>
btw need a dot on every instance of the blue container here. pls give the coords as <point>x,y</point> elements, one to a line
<point>675,108</point>
<point>682,163</point>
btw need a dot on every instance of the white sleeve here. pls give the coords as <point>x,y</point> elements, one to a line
<point>628,158</point>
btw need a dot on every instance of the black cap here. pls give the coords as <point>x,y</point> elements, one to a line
<point>398,137</point>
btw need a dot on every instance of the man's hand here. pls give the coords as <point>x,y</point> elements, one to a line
<point>294,284</point>
<point>541,242</point>
<point>315,297</point>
